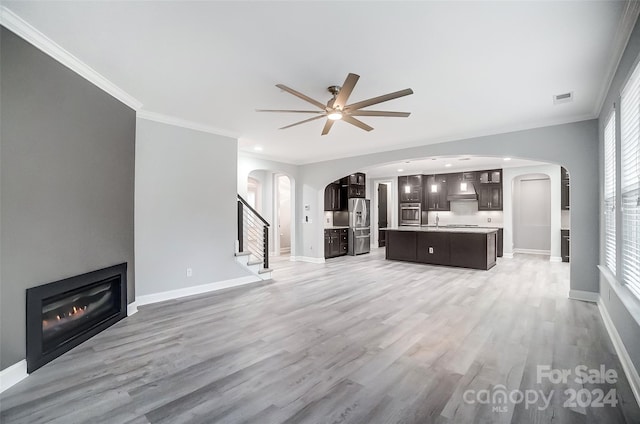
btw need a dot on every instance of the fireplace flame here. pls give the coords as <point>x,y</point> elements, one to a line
<point>74,313</point>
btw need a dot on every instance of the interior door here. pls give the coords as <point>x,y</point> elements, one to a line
<point>382,213</point>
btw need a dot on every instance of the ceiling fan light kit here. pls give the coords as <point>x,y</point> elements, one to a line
<point>337,108</point>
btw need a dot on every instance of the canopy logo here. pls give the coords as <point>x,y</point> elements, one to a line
<point>575,395</point>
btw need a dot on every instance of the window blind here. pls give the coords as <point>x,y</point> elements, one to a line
<point>630,179</point>
<point>610,192</point>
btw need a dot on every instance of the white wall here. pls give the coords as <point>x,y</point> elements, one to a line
<point>185,208</point>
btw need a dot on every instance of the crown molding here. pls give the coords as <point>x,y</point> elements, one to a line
<point>179,122</point>
<point>625,28</point>
<point>23,29</point>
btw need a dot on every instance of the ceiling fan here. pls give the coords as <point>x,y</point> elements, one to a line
<point>338,109</point>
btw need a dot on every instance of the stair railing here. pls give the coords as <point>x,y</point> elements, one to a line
<point>253,232</point>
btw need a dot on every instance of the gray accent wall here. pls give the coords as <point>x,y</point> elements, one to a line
<point>186,209</point>
<point>66,181</point>
<point>623,307</point>
<point>574,145</point>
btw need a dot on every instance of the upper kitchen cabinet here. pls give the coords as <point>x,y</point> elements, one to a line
<point>334,197</point>
<point>564,189</point>
<point>410,188</point>
<point>490,177</point>
<point>356,185</point>
<point>490,190</point>
<point>435,193</point>
<point>489,197</point>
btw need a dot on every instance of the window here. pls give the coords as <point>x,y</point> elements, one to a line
<point>610,192</point>
<point>630,182</point>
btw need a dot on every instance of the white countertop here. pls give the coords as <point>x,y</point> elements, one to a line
<point>430,229</point>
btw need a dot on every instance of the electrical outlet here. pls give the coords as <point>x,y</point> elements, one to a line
<point>431,250</point>
<point>189,272</point>
<point>488,219</point>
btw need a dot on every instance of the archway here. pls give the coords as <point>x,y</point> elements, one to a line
<point>275,201</point>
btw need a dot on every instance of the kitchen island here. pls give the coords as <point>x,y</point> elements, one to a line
<point>463,247</point>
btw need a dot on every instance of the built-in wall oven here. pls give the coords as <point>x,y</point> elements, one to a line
<point>410,214</point>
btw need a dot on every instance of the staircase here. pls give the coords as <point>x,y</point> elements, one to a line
<point>253,240</point>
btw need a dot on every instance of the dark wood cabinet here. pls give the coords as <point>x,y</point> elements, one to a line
<point>410,188</point>
<point>462,249</point>
<point>356,185</point>
<point>476,251</point>
<point>493,176</point>
<point>564,189</point>
<point>435,193</point>
<point>401,245</point>
<point>489,197</point>
<point>336,242</point>
<point>334,197</point>
<point>564,245</point>
<point>433,248</point>
<point>500,242</point>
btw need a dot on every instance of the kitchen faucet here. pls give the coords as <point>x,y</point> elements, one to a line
<point>437,220</point>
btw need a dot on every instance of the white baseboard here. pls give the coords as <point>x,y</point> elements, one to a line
<point>190,291</point>
<point>13,375</point>
<point>306,259</point>
<point>532,251</point>
<point>132,308</point>
<point>630,371</point>
<point>585,296</point>
<point>555,259</point>
<point>507,255</point>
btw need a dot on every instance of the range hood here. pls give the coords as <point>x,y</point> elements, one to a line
<point>461,190</point>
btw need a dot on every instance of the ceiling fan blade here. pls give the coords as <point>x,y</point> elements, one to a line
<point>345,91</point>
<point>302,122</point>
<point>289,111</point>
<point>327,126</point>
<point>379,99</point>
<point>379,113</point>
<point>356,122</point>
<point>302,96</point>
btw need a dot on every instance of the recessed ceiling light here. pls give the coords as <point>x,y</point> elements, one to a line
<point>447,165</point>
<point>400,169</point>
<point>258,148</point>
<point>507,159</point>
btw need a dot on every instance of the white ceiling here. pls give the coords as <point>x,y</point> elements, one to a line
<point>476,67</point>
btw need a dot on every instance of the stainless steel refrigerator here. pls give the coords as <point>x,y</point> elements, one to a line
<point>359,226</point>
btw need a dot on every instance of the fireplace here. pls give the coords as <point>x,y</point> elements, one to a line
<point>65,313</point>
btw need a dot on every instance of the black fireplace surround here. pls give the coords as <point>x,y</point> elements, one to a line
<point>65,313</point>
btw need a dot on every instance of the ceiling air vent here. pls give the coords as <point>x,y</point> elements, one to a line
<point>563,98</point>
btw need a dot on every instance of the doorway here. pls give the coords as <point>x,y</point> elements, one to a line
<point>254,193</point>
<point>383,213</point>
<point>532,214</point>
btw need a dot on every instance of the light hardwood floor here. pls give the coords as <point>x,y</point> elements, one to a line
<point>356,340</point>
